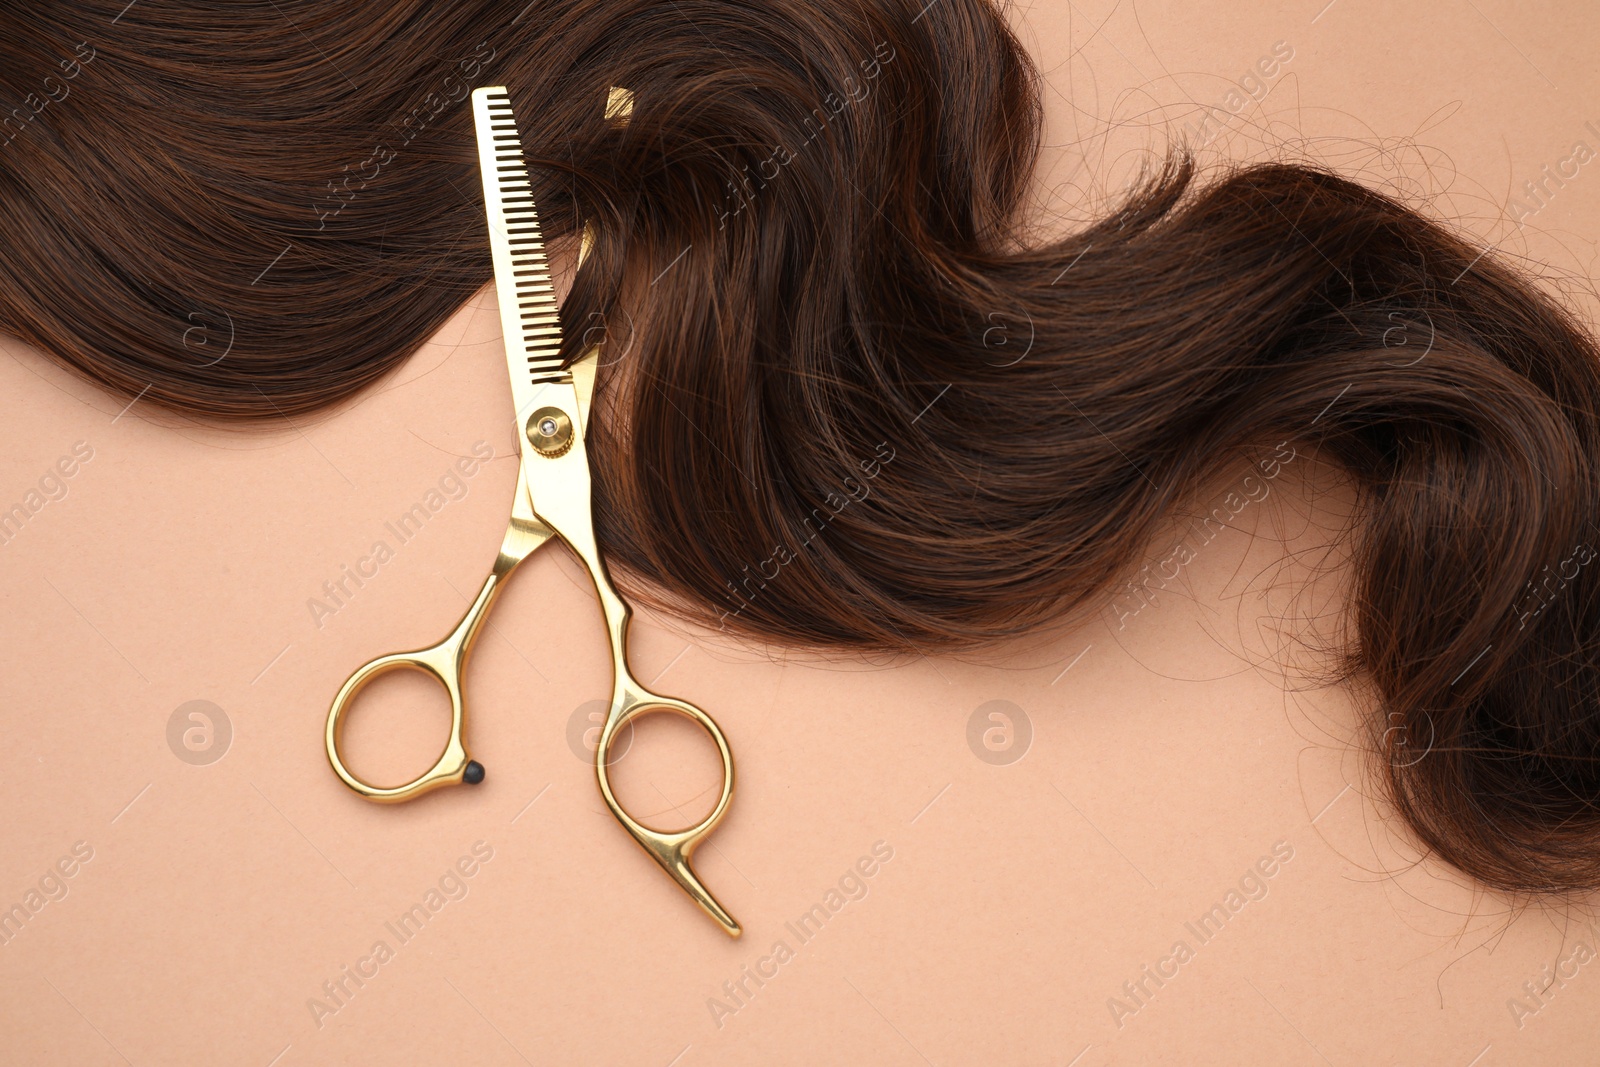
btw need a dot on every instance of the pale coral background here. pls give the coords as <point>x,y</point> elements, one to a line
<point>1166,757</point>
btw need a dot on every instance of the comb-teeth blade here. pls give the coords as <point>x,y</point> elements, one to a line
<point>529,317</point>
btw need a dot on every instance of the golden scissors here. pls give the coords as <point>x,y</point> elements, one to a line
<point>552,499</point>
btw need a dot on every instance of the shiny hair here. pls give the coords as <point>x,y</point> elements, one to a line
<point>807,231</point>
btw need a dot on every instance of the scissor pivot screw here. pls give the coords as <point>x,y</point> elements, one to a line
<point>550,432</point>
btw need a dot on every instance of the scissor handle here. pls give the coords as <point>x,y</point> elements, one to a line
<point>672,850</point>
<point>445,662</point>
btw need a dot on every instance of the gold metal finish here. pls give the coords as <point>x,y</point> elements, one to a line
<point>619,103</point>
<point>552,498</point>
<point>446,662</point>
<point>549,431</point>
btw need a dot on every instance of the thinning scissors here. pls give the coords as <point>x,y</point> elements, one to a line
<point>552,500</point>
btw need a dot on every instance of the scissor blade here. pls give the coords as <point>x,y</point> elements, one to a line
<point>529,317</point>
